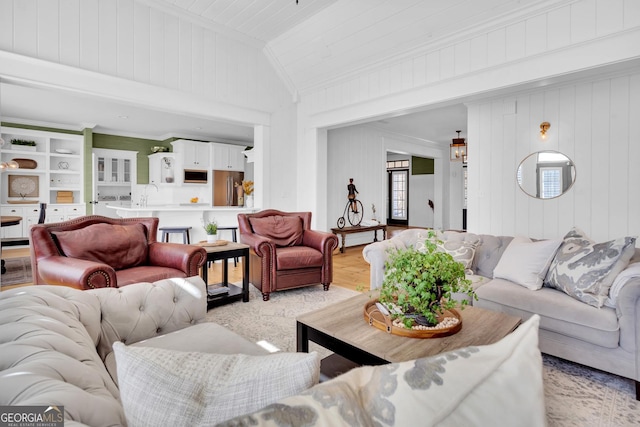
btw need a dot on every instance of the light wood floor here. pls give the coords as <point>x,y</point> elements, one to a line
<point>350,270</point>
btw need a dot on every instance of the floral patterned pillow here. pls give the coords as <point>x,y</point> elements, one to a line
<point>459,388</point>
<point>461,251</point>
<point>585,269</point>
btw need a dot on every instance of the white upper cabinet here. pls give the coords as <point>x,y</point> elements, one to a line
<point>228,157</point>
<point>193,154</point>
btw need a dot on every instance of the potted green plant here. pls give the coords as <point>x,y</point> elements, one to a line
<point>418,284</point>
<point>23,144</point>
<point>211,228</point>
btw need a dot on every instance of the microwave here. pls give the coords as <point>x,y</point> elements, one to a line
<point>195,176</point>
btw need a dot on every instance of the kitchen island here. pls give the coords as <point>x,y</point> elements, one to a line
<point>188,214</point>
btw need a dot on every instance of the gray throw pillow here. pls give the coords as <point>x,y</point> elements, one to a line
<point>585,269</point>
<point>161,387</point>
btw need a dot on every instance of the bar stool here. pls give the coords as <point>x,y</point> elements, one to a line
<point>234,238</point>
<point>166,231</point>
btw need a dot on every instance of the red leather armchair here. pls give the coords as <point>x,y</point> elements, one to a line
<point>99,252</point>
<point>285,253</point>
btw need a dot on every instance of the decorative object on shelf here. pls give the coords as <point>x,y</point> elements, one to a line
<point>64,197</point>
<point>23,186</point>
<point>23,144</point>
<point>419,282</point>
<point>211,228</point>
<point>159,149</point>
<point>240,193</point>
<point>248,153</point>
<point>63,165</point>
<point>63,151</point>
<point>25,163</point>
<point>167,164</point>
<point>544,127</point>
<point>23,202</point>
<point>193,200</point>
<point>247,186</point>
<point>458,149</point>
<point>12,164</point>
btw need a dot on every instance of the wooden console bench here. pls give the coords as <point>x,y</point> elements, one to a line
<point>360,229</point>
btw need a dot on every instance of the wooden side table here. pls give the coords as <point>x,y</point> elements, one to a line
<point>360,229</point>
<point>6,221</point>
<point>225,252</point>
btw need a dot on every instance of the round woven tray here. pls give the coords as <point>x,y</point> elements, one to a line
<point>375,318</point>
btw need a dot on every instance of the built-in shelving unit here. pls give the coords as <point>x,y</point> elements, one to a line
<point>50,172</point>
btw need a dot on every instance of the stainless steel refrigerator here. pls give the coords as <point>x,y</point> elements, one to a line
<point>224,191</point>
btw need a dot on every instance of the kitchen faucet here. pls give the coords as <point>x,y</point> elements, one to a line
<point>144,196</point>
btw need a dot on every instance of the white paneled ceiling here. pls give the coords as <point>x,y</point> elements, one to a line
<point>262,20</point>
<point>312,42</point>
<point>319,40</point>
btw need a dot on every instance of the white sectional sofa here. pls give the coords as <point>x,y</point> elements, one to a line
<point>59,347</point>
<point>605,338</point>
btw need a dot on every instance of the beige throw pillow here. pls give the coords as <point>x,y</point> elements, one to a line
<point>526,262</point>
<point>174,388</point>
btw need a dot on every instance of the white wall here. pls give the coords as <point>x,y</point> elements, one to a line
<point>360,152</point>
<point>595,123</point>
<point>544,48</point>
<point>130,40</point>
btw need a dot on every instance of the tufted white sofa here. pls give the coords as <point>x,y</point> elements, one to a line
<point>56,342</point>
<point>603,338</point>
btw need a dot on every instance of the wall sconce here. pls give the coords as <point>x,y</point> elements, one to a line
<point>458,149</point>
<point>544,127</point>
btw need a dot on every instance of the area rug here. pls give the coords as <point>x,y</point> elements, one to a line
<point>18,271</point>
<point>575,395</point>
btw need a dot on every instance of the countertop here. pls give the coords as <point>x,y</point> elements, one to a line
<point>186,207</point>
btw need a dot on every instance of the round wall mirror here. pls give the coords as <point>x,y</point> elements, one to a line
<point>546,174</point>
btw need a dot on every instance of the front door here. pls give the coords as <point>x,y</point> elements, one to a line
<point>398,197</point>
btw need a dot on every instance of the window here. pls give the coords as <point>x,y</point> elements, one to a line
<point>398,164</point>
<point>399,192</point>
<point>550,182</point>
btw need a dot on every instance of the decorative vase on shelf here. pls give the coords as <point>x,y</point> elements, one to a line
<point>212,238</point>
<point>248,201</point>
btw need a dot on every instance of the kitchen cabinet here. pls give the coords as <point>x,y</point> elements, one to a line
<point>162,168</point>
<point>228,157</point>
<point>113,170</point>
<point>114,174</point>
<point>193,154</point>
<point>30,215</point>
<point>58,213</point>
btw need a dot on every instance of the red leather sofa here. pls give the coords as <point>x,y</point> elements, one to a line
<point>99,252</point>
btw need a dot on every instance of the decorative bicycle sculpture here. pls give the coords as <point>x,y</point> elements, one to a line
<point>353,211</point>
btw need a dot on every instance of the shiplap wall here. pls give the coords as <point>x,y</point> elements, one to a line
<point>130,40</point>
<point>595,123</point>
<point>552,43</point>
<point>360,152</point>
<point>553,29</point>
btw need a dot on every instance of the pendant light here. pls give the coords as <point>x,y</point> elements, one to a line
<point>458,149</point>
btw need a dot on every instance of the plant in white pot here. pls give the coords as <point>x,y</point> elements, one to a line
<point>211,228</point>
<point>419,283</point>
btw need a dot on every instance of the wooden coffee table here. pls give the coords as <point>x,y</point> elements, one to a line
<point>342,329</point>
